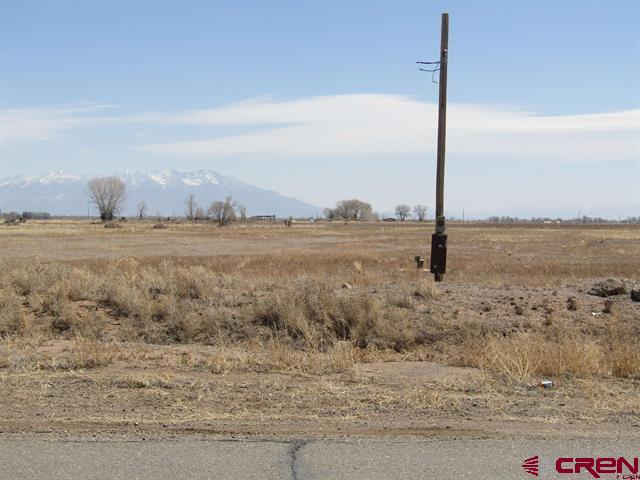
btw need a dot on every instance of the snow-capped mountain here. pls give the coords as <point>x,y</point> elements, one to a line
<point>164,192</point>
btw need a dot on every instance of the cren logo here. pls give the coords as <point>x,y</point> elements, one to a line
<point>596,466</point>
<point>625,468</point>
<point>530,465</point>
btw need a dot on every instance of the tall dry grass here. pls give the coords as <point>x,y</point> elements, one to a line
<point>318,316</point>
<point>171,303</point>
<point>295,300</point>
<point>524,356</point>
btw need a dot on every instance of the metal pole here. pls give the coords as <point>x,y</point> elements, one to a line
<point>439,238</point>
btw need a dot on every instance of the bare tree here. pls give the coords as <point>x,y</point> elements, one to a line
<point>402,212</point>
<point>108,194</point>
<point>420,212</point>
<point>142,209</point>
<point>223,212</point>
<point>215,211</point>
<point>200,214</point>
<point>190,207</point>
<point>353,209</point>
<point>243,212</point>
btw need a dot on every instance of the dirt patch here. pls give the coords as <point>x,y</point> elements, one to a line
<point>406,373</point>
<point>389,399</point>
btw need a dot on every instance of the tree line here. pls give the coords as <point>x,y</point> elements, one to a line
<point>109,193</point>
<point>355,209</point>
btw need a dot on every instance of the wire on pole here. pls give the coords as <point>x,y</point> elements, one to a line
<point>431,71</point>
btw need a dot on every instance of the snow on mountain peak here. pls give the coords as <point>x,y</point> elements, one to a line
<point>192,179</point>
<point>58,176</point>
<point>60,192</point>
<point>161,177</point>
<point>200,177</point>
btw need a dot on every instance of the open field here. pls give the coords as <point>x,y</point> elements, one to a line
<point>321,328</point>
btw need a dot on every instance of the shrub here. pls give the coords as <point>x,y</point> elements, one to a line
<point>12,317</point>
<point>316,316</point>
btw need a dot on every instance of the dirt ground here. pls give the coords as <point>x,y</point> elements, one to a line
<point>514,309</point>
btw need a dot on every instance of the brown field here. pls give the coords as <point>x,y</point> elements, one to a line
<point>321,328</point>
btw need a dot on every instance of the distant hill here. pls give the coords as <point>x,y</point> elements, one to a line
<point>63,193</point>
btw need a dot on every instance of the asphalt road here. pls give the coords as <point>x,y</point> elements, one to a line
<point>361,458</point>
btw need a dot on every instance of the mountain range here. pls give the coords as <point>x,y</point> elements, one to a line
<point>164,192</point>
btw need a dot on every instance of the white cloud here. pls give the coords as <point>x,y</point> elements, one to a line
<point>43,123</point>
<point>343,126</point>
<point>365,125</point>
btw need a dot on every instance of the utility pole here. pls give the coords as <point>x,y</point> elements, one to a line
<point>439,238</point>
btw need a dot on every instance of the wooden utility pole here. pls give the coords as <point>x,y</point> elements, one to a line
<point>439,238</point>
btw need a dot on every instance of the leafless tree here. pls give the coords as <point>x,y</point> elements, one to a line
<point>108,194</point>
<point>420,211</point>
<point>353,209</point>
<point>402,212</point>
<point>243,212</point>
<point>190,207</point>
<point>142,209</point>
<point>200,214</point>
<point>223,212</point>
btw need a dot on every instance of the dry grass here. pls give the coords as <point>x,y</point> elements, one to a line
<point>169,303</point>
<point>523,357</point>
<point>317,316</point>
<point>295,299</point>
<point>514,255</point>
<point>27,355</point>
<point>328,299</point>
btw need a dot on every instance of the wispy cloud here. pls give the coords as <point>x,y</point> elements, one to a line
<point>44,123</point>
<point>365,125</point>
<point>343,126</point>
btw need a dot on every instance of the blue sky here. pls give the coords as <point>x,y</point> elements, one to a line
<point>322,100</point>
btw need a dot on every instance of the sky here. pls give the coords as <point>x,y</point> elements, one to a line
<point>324,101</point>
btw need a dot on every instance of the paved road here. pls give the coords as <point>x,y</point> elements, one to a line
<point>363,458</point>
